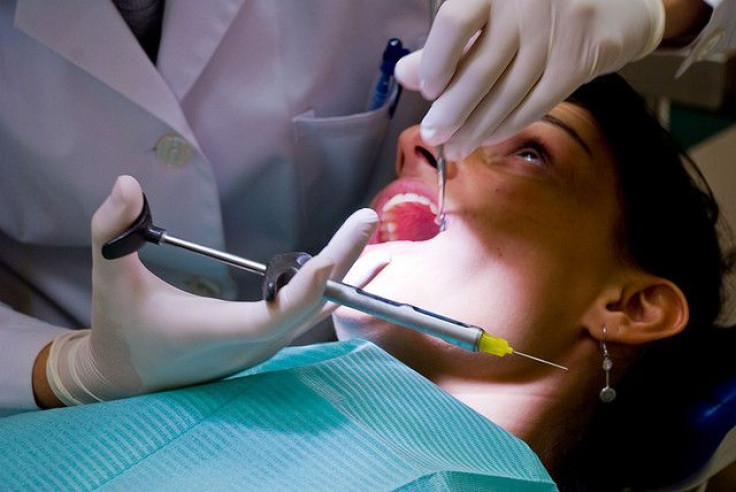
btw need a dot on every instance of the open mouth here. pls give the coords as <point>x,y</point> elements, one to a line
<point>407,210</point>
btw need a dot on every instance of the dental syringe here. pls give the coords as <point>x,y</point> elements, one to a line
<point>450,330</point>
<point>455,332</point>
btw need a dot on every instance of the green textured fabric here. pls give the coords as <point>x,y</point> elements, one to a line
<point>339,416</point>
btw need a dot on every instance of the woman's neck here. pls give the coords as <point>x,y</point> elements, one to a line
<point>549,413</point>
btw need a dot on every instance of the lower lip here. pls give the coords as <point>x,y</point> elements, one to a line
<point>406,221</point>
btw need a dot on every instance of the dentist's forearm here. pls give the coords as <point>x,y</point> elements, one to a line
<point>684,19</point>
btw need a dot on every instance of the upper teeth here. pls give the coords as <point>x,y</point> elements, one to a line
<point>409,198</point>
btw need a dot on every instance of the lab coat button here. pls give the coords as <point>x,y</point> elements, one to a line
<point>205,287</point>
<point>173,150</point>
<point>709,44</point>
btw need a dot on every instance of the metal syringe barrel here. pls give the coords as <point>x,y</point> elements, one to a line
<point>452,331</point>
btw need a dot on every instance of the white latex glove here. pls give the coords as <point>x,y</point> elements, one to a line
<point>495,66</point>
<point>147,335</point>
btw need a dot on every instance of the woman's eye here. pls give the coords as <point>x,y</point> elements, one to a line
<point>532,155</point>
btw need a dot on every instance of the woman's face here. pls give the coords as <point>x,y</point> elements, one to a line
<point>529,245</point>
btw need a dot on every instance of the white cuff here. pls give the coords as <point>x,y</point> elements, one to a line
<point>61,369</point>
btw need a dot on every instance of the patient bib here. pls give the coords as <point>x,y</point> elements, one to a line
<point>337,416</point>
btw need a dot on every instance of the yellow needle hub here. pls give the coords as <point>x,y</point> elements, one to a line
<point>494,345</point>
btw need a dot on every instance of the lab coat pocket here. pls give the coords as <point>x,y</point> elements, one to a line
<point>335,159</point>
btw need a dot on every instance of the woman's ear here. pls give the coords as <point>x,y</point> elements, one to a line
<point>639,310</point>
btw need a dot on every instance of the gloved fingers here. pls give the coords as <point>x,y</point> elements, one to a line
<point>406,70</point>
<point>302,296</point>
<point>509,93</point>
<point>116,213</point>
<point>307,286</point>
<point>481,68</point>
<point>348,242</point>
<point>455,24</point>
<point>367,267</point>
<point>346,246</point>
<point>214,320</point>
<point>558,81</point>
<point>540,101</point>
<point>300,300</point>
<point>363,271</point>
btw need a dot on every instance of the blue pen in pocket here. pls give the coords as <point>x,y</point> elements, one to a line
<point>385,83</point>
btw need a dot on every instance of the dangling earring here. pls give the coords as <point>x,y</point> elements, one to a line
<point>607,394</point>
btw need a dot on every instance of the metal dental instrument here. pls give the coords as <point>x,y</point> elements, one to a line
<point>434,6</point>
<point>441,178</point>
<point>455,332</point>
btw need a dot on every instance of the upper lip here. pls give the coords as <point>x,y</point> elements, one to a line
<point>408,184</point>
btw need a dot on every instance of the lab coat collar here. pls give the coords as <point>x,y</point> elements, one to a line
<point>92,35</point>
<point>192,31</point>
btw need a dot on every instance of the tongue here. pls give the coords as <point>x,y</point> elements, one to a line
<point>406,222</point>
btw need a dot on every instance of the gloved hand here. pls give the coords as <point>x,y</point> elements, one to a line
<point>147,335</point>
<point>495,66</point>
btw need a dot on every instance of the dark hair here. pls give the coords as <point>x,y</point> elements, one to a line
<point>670,215</point>
<point>670,229</point>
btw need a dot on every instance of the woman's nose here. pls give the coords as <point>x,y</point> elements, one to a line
<point>414,156</point>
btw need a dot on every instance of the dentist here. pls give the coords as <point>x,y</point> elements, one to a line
<point>245,122</point>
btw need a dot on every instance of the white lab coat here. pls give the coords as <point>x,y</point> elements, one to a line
<point>717,37</point>
<point>267,97</point>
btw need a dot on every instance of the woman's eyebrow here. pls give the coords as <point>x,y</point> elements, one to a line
<point>569,130</point>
